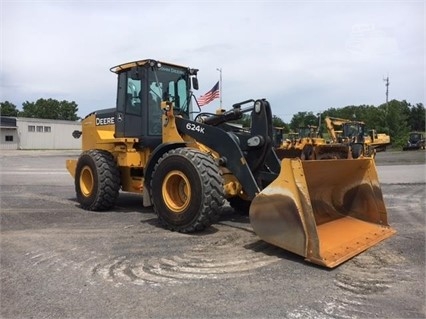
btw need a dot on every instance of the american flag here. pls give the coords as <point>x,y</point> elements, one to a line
<point>210,95</point>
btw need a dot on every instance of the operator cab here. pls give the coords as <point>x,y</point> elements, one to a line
<point>142,86</point>
<point>354,131</point>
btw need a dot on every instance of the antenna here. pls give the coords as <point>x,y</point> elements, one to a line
<point>387,88</point>
<point>387,102</point>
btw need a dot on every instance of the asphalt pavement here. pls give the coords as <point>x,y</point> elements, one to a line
<point>58,261</point>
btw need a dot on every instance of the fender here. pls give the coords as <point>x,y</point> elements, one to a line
<point>221,142</point>
<point>156,155</point>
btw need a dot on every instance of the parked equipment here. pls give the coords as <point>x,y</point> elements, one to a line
<point>378,141</point>
<point>352,133</point>
<point>300,144</point>
<point>416,141</point>
<point>326,211</point>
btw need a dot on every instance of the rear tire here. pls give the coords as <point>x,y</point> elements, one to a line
<point>97,180</point>
<point>187,190</point>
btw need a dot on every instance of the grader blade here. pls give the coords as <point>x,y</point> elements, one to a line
<point>327,211</point>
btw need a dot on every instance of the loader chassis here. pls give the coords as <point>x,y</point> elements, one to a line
<point>187,168</point>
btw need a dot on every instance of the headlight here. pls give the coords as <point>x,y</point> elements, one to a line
<point>257,106</point>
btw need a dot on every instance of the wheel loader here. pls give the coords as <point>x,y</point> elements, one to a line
<point>353,135</point>
<point>186,167</point>
<point>301,144</point>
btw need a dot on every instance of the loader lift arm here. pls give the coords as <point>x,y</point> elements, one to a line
<point>248,155</point>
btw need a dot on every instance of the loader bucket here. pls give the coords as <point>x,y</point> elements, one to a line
<point>288,153</point>
<point>327,211</point>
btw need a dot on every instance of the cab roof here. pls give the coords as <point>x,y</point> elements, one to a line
<point>128,65</point>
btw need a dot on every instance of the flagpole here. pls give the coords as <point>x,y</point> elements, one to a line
<point>220,85</point>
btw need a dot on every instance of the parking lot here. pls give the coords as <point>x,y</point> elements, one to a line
<point>58,261</point>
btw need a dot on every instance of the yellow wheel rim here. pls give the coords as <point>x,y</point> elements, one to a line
<point>86,181</point>
<point>176,191</point>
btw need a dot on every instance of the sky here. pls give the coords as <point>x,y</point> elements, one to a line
<point>302,56</point>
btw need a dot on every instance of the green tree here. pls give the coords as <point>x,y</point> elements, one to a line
<point>8,109</point>
<point>303,119</point>
<point>50,109</point>
<point>396,121</point>
<point>278,122</point>
<point>417,117</point>
<point>68,111</point>
<point>245,121</point>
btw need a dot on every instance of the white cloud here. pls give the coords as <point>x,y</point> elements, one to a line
<point>301,56</point>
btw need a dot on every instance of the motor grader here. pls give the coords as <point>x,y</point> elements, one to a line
<point>186,168</point>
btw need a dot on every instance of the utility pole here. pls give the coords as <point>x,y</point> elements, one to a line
<point>387,89</point>
<point>220,85</point>
<point>387,103</point>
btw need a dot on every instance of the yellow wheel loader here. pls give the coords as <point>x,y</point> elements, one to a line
<point>186,168</point>
<point>301,144</point>
<point>353,135</point>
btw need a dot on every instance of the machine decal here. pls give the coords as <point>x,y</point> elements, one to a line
<point>105,121</point>
<point>195,127</point>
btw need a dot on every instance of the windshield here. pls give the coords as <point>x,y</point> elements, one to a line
<point>170,84</point>
<point>415,136</point>
<point>352,130</point>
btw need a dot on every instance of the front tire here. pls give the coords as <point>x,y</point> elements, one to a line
<point>356,150</point>
<point>97,180</point>
<point>187,190</point>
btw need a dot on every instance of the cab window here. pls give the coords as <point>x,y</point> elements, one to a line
<point>133,96</point>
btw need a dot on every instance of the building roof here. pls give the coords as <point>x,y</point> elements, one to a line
<point>9,121</point>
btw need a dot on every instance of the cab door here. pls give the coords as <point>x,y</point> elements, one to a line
<point>129,105</point>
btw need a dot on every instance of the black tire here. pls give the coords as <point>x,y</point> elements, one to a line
<point>308,152</point>
<point>356,150</point>
<point>97,180</point>
<point>187,190</point>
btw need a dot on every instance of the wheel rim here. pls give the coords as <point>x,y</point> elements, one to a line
<point>176,191</point>
<point>86,181</point>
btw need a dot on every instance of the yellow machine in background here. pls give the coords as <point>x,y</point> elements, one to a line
<point>326,211</point>
<point>300,144</point>
<point>378,141</point>
<point>352,133</point>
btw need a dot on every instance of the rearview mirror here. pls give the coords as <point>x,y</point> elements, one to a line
<point>195,83</point>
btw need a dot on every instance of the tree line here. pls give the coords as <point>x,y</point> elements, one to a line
<point>42,109</point>
<point>396,118</point>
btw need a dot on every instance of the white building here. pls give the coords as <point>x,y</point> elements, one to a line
<point>30,133</point>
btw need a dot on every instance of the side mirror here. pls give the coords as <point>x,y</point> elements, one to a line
<point>195,83</point>
<point>76,134</point>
